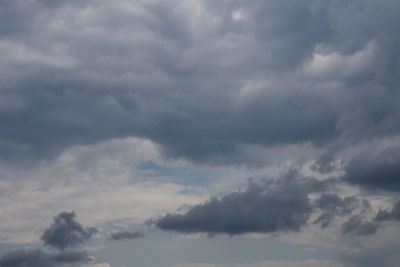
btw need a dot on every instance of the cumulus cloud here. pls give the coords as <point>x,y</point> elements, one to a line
<point>66,232</point>
<point>265,207</point>
<point>63,233</point>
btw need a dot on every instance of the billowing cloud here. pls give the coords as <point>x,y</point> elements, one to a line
<point>66,232</point>
<point>124,235</point>
<point>271,84</point>
<point>376,171</point>
<point>38,258</point>
<point>204,80</point>
<point>267,206</point>
<point>63,233</point>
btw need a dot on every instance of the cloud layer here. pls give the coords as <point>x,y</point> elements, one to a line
<point>204,80</point>
<point>38,258</point>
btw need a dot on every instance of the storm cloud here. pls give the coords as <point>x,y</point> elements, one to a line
<point>215,90</point>
<point>66,232</point>
<point>265,207</point>
<point>376,171</point>
<point>202,79</point>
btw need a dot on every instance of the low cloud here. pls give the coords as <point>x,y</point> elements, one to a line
<point>331,206</point>
<point>355,225</point>
<point>66,232</point>
<point>38,258</point>
<point>63,233</point>
<point>266,206</point>
<point>393,215</point>
<point>126,235</point>
<point>375,171</point>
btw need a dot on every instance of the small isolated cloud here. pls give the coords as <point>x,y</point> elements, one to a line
<point>38,258</point>
<point>265,207</point>
<point>124,235</point>
<point>66,232</point>
<point>375,171</point>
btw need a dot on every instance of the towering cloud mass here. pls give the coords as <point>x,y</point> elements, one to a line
<point>65,232</point>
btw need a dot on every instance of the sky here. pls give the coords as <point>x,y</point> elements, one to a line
<point>199,133</point>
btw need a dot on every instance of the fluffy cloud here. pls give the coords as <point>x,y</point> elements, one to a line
<point>268,206</point>
<point>65,232</point>
<point>204,80</point>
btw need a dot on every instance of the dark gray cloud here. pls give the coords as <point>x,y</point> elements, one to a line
<point>355,225</point>
<point>332,205</point>
<point>202,85</point>
<point>38,258</point>
<point>124,235</point>
<point>66,232</point>
<point>375,171</point>
<point>267,206</point>
<point>325,164</point>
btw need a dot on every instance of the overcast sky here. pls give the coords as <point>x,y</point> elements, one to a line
<point>199,133</point>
